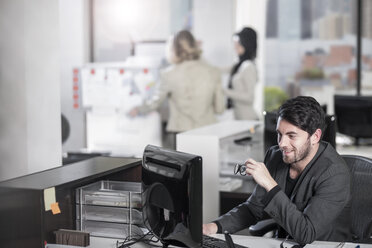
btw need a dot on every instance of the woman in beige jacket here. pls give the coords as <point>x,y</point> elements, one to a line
<point>193,88</point>
<point>243,76</point>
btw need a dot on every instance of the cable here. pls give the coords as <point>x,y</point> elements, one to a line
<point>129,241</point>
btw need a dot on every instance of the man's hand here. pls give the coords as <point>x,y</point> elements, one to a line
<point>210,228</point>
<point>260,174</point>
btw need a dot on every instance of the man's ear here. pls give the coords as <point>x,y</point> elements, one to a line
<point>315,138</point>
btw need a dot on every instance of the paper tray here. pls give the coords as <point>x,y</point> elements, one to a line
<point>109,214</point>
<point>109,230</point>
<point>110,193</point>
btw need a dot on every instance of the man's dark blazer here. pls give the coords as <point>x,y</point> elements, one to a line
<point>317,209</point>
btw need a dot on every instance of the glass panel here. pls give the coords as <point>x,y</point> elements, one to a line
<point>366,80</point>
<point>118,25</point>
<point>311,48</point>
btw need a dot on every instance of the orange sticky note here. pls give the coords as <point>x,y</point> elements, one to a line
<point>55,208</point>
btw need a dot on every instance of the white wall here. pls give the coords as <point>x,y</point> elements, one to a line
<point>30,134</point>
<point>214,25</point>
<point>74,42</point>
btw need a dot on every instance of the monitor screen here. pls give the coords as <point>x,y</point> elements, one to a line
<point>172,196</point>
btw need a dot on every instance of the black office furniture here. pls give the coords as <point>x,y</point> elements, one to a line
<point>361,185</point>
<point>270,135</point>
<point>73,157</point>
<point>329,133</point>
<point>65,128</point>
<point>231,199</point>
<point>263,227</point>
<point>354,116</point>
<point>23,219</point>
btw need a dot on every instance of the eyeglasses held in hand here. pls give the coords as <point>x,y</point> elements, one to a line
<point>240,168</point>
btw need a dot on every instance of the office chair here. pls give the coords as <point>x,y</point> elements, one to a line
<point>361,214</point>
<point>361,185</point>
<point>329,133</point>
<point>270,135</point>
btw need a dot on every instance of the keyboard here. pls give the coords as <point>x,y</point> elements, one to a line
<point>211,242</point>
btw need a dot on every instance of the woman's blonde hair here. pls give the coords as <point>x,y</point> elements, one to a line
<point>182,47</point>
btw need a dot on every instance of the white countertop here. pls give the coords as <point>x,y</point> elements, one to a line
<point>224,129</point>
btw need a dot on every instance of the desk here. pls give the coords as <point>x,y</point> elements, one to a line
<point>209,142</point>
<point>247,241</point>
<point>261,242</point>
<point>24,222</point>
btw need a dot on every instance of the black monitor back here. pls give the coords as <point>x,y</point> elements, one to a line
<point>172,196</point>
<point>354,115</point>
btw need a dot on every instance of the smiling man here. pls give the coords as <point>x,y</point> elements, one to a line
<point>303,184</point>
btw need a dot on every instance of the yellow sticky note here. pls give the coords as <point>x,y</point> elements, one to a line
<point>55,208</point>
<point>49,198</point>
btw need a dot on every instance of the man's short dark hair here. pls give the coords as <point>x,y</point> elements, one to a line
<point>303,112</point>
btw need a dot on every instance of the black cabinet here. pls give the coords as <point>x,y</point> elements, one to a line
<point>23,219</point>
<point>229,200</point>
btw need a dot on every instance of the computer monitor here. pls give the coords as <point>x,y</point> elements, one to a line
<point>354,116</point>
<point>172,196</point>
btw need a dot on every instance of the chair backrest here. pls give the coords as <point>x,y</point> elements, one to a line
<point>270,135</point>
<point>361,186</point>
<point>329,133</point>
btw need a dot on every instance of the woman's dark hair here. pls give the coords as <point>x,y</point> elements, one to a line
<point>248,39</point>
<point>303,112</point>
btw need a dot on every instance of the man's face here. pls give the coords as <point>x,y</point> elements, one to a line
<point>293,142</point>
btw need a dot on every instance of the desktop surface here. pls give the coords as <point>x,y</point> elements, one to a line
<point>70,173</point>
<point>263,242</point>
<point>247,241</point>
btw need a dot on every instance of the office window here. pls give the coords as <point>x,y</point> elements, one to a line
<point>366,60</point>
<point>311,45</point>
<point>117,25</point>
